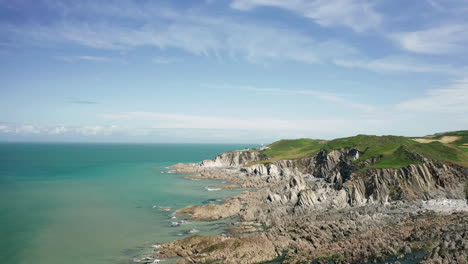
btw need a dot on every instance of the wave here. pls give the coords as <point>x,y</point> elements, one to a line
<point>210,189</point>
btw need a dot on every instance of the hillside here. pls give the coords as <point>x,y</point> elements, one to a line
<point>360,199</point>
<point>455,138</point>
<point>391,151</point>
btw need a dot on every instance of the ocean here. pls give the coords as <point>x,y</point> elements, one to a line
<point>93,203</point>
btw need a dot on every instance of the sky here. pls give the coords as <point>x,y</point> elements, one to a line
<point>231,71</point>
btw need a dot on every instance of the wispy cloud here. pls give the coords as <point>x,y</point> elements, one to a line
<point>96,130</point>
<point>195,33</point>
<point>450,101</point>
<point>210,37</point>
<point>449,6</point>
<point>88,130</point>
<point>164,60</point>
<point>210,128</point>
<point>182,121</point>
<point>27,129</point>
<point>58,130</point>
<point>358,15</point>
<point>87,58</point>
<point>325,96</point>
<point>452,38</point>
<point>5,129</point>
<point>85,102</point>
<point>401,64</point>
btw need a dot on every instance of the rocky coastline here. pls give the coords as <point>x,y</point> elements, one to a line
<point>328,209</point>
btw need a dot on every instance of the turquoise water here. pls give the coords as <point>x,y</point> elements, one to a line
<point>92,203</point>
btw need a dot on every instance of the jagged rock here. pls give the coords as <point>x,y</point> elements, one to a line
<point>429,180</point>
<point>232,159</point>
<point>327,206</point>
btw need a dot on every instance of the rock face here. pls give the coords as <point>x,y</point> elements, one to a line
<point>334,180</point>
<point>328,208</point>
<point>425,181</point>
<point>233,159</point>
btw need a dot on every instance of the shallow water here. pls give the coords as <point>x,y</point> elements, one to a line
<point>92,203</point>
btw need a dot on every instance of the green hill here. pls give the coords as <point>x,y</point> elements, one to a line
<point>293,148</point>
<point>456,138</point>
<point>392,151</point>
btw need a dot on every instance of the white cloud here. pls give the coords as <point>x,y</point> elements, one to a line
<point>449,6</point>
<point>199,34</point>
<point>88,130</point>
<point>181,121</point>
<point>439,40</point>
<point>5,129</point>
<point>58,130</point>
<point>325,96</point>
<point>27,129</point>
<point>164,60</point>
<point>83,102</point>
<point>450,101</point>
<point>205,37</point>
<point>358,15</point>
<point>96,130</point>
<point>86,58</point>
<point>400,64</point>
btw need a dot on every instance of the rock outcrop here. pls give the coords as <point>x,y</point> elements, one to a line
<point>333,207</point>
<point>334,179</point>
<point>428,180</point>
<point>233,159</point>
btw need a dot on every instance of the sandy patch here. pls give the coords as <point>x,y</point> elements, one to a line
<point>444,139</point>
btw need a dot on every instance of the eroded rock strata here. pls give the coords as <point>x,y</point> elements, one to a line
<point>329,207</point>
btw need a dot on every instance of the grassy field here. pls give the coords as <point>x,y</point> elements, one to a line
<point>461,142</point>
<point>292,149</point>
<point>392,151</point>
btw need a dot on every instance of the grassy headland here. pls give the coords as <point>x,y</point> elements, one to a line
<point>392,151</point>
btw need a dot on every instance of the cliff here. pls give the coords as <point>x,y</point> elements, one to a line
<point>338,178</point>
<point>233,159</point>
<point>362,199</point>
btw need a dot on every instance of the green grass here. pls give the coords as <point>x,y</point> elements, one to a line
<point>292,149</point>
<point>460,144</point>
<point>392,151</point>
<point>437,151</point>
<point>396,159</point>
<point>372,146</point>
<point>463,134</point>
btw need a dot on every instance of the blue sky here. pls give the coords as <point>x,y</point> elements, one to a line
<point>250,71</point>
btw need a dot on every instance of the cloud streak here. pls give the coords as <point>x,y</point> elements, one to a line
<point>164,60</point>
<point>357,15</point>
<point>448,39</point>
<point>160,120</point>
<point>84,102</point>
<point>183,127</point>
<point>449,101</point>
<point>88,130</point>
<point>87,58</point>
<point>201,34</point>
<point>400,64</point>
<point>194,33</point>
<point>325,96</point>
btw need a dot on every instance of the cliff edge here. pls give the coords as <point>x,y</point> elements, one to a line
<point>356,199</point>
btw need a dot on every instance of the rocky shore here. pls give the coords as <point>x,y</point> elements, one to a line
<point>329,209</point>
